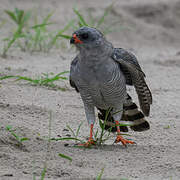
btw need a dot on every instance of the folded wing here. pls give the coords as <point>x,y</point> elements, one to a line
<point>134,76</point>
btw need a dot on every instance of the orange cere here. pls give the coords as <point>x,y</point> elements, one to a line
<point>76,39</point>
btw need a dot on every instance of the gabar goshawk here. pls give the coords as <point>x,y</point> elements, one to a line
<point>100,74</point>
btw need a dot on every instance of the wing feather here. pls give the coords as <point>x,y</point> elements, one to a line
<point>134,76</point>
<point>72,70</point>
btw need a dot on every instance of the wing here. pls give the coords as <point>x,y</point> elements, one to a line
<point>72,70</point>
<point>134,76</point>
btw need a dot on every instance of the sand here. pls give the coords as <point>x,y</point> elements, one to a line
<point>150,29</point>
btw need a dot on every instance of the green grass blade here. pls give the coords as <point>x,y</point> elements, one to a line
<point>102,125</point>
<point>20,14</point>
<point>41,25</point>
<point>6,77</point>
<point>80,24</point>
<point>20,78</point>
<point>59,34</point>
<point>9,129</point>
<point>70,24</point>
<point>106,12</point>
<point>109,130</point>
<point>64,36</point>
<point>51,80</point>
<point>34,176</point>
<point>43,173</point>
<point>16,35</point>
<point>64,78</point>
<point>100,175</point>
<point>35,81</point>
<point>65,157</point>
<point>8,46</point>
<point>96,134</point>
<point>81,19</point>
<point>11,15</point>
<point>71,130</point>
<point>77,132</point>
<point>48,17</point>
<point>37,37</point>
<point>6,39</point>
<point>15,135</point>
<point>24,139</point>
<point>61,73</point>
<point>26,17</point>
<point>117,112</point>
<point>44,80</point>
<point>20,140</point>
<point>45,20</point>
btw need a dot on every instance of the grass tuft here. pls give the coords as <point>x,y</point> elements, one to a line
<point>81,20</point>
<point>100,138</point>
<point>19,139</point>
<point>65,157</point>
<point>46,79</point>
<point>100,175</point>
<point>33,38</point>
<point>37,37</point>
<point>20,18</point>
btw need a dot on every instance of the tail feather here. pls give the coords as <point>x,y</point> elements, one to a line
<point>144,96</point>
<point>130,113</point>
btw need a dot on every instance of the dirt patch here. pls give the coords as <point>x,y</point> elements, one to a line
<point>169,63</point>
<point>161,14</point>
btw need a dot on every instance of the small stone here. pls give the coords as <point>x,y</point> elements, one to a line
<point>9,175</point>
<point>68,135</point>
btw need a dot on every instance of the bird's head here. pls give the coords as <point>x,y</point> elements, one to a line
<point>87,38</point>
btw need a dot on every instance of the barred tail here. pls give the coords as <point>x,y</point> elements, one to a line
<point>131,114</point>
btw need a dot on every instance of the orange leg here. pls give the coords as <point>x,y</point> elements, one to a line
<point>90,141</point>
<point>120,138</point>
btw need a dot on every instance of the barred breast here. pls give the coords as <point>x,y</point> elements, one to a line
<point>103,86</point>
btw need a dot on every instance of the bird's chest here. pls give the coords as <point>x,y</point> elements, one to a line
<point>96,76</point>
<point>99,84</point>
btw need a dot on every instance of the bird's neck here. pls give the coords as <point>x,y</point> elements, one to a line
<point>97,54</point>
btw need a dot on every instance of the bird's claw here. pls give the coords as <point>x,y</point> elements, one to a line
<point>88,143</point>
<point>123,141</point>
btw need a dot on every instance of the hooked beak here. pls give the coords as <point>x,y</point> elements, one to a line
<point>75,40</point>
<point>72,41</point>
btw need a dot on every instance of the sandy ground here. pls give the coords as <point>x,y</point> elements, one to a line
<point>152,33</point>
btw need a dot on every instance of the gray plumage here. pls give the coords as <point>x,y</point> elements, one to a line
<point>101,72</point>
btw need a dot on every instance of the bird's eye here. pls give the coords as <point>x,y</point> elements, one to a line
<point>84,36</point>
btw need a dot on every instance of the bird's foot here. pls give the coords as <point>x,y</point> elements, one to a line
<point>89,143</point>
<point>122,140</point>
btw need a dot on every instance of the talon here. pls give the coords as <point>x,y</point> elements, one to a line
<point>88,143</point>
<point>122,140</point>
<point>91,140</point>
<point>119,138</point>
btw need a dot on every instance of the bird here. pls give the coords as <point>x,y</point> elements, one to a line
<point>101,73</point>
